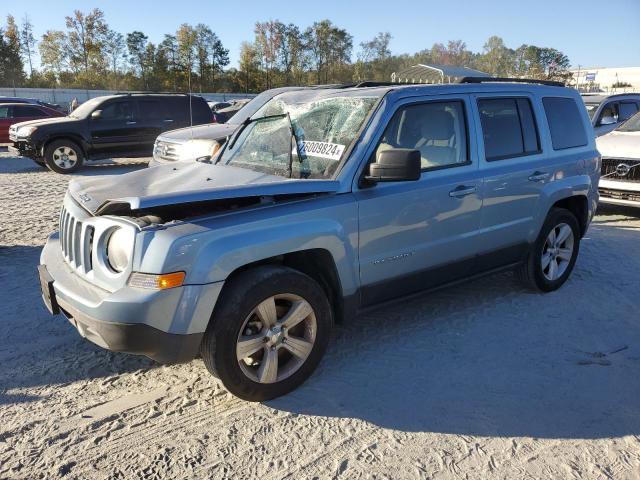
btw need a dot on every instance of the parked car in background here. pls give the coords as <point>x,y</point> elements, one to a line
<point>33,101</point>
<point>223,115</point>
<point>115,125</point>
<point>323,203</point>
<point>620,177</point>
<point>609,111</point>
<point>215,106</point>
<point>11,113</point>
<point>201,143</point>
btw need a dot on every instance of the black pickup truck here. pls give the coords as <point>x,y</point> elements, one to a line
<point>116,125</point>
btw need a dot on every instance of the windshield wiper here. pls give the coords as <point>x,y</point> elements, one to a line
<point>249,121</point>
<point>294,137</point>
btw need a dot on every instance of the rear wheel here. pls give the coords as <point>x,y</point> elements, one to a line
<point>553,255</point>
<point>268,333</point>
<point>63,156</point>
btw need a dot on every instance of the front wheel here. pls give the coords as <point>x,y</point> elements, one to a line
<point>63,156</point>
<point>553,255</point>
<point>268,333</point>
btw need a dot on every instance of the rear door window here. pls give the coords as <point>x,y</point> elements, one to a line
<point>5,112</point>
<point>508,128</point>
<point>626,111</point>
<point>152,110</point>
<point>565,123</point>
<point>26,111</point>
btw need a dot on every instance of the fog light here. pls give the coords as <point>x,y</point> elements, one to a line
<point>156,282</point>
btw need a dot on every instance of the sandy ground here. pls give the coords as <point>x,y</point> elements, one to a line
<point>484,380</point>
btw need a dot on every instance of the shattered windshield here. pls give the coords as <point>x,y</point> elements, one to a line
<point>324,129</point>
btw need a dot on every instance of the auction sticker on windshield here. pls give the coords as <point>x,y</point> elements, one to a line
<point>332,151</point>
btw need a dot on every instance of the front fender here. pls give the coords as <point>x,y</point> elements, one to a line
<point>210,250</point>
<point>224,255</point>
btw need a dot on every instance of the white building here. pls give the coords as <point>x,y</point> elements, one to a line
<point>605,79</point>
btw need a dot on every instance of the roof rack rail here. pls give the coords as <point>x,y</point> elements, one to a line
<point>550,83</point>
<point>143,92</point>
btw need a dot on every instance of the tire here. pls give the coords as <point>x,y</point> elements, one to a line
<point>55,160</point>
<point>533,271</point>
<point>237,317</point>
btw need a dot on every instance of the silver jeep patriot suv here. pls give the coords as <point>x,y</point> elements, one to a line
<point>320,204</point>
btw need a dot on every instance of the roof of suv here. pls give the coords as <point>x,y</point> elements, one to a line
<point>436,89</point>
<point>599,98</point>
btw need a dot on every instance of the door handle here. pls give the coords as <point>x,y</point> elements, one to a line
<point>168,120</point>
<point>462,190</point>
<point>131,123</point>
<point>539,176</point>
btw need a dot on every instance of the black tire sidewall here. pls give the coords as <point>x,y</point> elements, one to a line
<point>51,147</point>
<point>555,218</point>
<point>243,295</point>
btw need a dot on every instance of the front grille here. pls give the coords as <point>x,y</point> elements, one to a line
<point>620,169</point>
<point>76,240</point>
<point>620,194</point>
<point>166,150</point>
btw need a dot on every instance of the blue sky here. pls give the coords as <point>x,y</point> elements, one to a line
<point>592,33</point>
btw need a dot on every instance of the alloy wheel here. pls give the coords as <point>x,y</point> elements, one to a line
<point>276,338</point>
<point>557,251</point>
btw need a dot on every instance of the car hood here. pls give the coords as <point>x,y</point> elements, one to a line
<point>212,131</point>
<point>183,184</point>
<point>45,121</point>
<point>619,144</point>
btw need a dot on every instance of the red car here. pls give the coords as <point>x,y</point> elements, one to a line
<point>11,113</point>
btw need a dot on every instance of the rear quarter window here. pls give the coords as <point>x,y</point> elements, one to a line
<point>565,123</point>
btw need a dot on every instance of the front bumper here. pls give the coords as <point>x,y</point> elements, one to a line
<point>617,192</point>
<point>164,325</point>
<point>22,147</point>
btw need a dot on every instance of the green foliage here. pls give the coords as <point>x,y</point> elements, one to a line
<point>88,54</point>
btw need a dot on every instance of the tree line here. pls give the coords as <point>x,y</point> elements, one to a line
<point>89,54</point>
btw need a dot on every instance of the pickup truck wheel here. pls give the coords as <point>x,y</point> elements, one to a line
<point>553,255</point>
<point>268,332</point>
<point>63,156</point>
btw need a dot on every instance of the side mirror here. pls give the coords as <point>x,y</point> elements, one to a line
<point>96,114</point>
<point>607,120</point>
<point>395,165</point>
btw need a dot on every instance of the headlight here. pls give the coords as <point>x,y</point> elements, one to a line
<point>25,131</point>
<point>119,250</point>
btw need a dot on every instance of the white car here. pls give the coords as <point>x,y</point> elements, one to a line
<point>620,178</point>
<point>609,111</point>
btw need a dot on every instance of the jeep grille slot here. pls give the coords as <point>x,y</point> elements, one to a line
<point>75,241</point>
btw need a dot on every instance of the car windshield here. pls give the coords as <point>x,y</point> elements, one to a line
<point>631,125</point>
<point>591,109</point>
<point>86,108</point>
<point>325,127</point>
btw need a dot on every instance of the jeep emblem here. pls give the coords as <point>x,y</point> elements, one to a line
<point>84,197</point>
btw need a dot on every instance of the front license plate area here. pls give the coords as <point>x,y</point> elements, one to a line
<point>48,293</point>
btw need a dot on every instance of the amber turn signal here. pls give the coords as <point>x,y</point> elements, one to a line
<point>156,282</point>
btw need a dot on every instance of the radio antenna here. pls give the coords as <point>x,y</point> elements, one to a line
<point>190,107</point>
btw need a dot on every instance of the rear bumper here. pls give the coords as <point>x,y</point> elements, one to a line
<point>164,325</point>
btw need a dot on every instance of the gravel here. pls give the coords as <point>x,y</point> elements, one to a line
<point>481,380</point>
